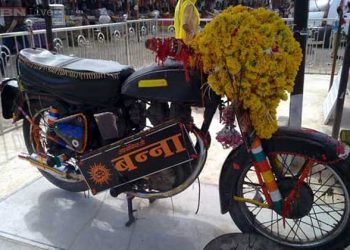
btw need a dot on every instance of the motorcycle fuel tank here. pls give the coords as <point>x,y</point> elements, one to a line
<point>164,83</point>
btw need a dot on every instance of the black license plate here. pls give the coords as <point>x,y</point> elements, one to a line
<point>137,156</point>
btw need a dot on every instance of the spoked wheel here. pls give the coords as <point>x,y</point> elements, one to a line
<point>319,214</point>
<point>36,142</point>
<point>174,180</point>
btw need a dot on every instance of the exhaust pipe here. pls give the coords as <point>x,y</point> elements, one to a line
<point>40,162</point>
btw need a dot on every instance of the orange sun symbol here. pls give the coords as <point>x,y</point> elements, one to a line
<point>100,174</point>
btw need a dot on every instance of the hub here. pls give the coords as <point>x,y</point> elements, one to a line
<point>303,200</point>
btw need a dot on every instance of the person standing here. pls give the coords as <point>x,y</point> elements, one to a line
<point>186,20</point>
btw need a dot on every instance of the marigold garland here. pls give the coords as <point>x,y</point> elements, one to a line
<point>252,57</point>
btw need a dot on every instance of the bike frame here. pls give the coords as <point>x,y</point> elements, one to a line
<point>261,164</point>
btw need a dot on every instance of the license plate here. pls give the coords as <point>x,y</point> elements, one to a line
<point>137,156</point>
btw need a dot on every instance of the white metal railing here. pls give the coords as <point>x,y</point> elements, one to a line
<point>116,41</point>
<point>124,42</point>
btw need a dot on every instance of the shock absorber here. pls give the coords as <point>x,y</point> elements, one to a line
<point>52,117</point>
<point>263,170</point>
<point>52,160</point>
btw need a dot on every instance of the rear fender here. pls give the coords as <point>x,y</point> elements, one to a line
<point>315,145</point>
<point>9,97</point>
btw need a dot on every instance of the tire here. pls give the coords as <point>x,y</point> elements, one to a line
<point>68,185</point>
<point>324,202</point>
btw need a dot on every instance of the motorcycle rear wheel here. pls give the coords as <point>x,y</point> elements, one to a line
<point>39,111</point>
<point>321,215</point>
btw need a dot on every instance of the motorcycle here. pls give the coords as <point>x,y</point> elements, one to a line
<point>99,125</point>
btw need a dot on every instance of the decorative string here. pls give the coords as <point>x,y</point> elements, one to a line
<point>173,48</point>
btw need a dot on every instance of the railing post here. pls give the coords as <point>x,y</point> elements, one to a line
<point>342,89</point>
<point>336,45</point>
<point>48,23</point>
<point>301,11</point>
<point>29,25</point>
<point>127,49</point>
<point>157,23</point>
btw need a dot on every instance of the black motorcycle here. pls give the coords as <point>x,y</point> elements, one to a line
<point>98,125</point>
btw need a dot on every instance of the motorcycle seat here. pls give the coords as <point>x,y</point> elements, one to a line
<point>72,78</point>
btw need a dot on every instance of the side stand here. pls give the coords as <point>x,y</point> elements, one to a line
<point>152,200</point>
<point>131,211</point>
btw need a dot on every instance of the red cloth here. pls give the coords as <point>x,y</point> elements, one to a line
<point>173,48</point>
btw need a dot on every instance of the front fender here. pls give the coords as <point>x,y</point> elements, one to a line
<point>313,144</point>
<point>229,173</point>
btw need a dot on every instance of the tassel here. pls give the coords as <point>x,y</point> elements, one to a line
<point>173,48</point>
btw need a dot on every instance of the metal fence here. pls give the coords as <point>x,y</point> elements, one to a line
<point>124,42</point>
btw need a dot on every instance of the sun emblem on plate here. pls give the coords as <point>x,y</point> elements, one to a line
<point>99,174</point>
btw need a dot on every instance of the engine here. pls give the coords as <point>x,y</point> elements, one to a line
<point>110,125</point>
<point>126,120</point>
<point>80,130</point>
<point>157,113</point>
<point>116,125</point>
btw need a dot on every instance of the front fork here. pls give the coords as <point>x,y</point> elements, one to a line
<point>265,176</point>
<point>264,171</point>
<point>268,182</point>
<point>262,166</point>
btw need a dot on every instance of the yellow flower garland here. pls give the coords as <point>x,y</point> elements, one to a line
<point>252,57</point>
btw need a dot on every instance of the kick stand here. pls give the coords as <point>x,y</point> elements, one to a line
<point>131,211</point>
<point>152,200</point>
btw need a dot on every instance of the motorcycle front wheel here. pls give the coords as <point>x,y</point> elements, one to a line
<point>319,216</point>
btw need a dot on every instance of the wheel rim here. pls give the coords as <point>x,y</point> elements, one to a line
<point>327,217</point>
<point>40,117</point>
<point>197,168</point>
